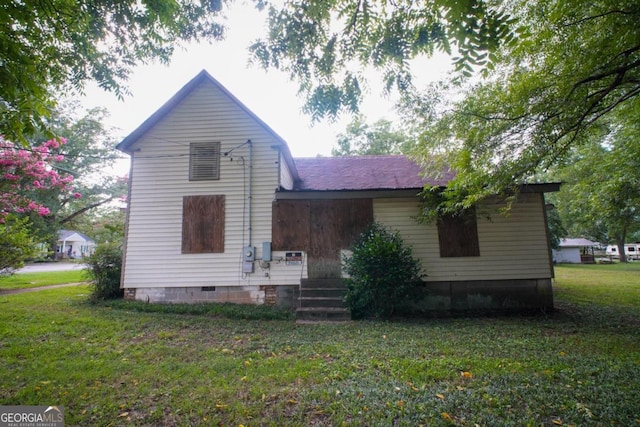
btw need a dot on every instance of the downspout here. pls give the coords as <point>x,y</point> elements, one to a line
<point>250,182</point>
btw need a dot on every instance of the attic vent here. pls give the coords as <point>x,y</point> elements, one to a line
<point>204,161</point>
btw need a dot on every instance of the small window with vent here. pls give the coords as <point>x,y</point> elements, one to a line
<point>204,161</point>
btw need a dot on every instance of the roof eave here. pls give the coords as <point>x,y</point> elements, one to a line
<point>283,194</point>
<point>544,187</point>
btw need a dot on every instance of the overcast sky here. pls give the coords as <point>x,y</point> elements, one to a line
<point>270,95</point>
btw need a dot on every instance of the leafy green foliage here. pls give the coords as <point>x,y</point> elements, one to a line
<point>104,225</point>
<point>104,268</point>
<point>601,195</point>
<point>87,155</point>
<point>546,95</point>
<point>326,45</point>
<point>16,243</point>
<point>383,275</point>
<point>557,230</point>
<point>379,138</point>
<point>60,44</point>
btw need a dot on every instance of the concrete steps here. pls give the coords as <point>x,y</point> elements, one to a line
<point>321,300</point>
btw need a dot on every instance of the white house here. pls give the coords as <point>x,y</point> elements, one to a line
<point>575,251</point>
<point>219,210</point>
<point>73,244</point>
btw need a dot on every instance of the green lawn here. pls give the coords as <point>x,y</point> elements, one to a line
<point>34,280</point>
<point>116,364</point>
<point>606,284</point>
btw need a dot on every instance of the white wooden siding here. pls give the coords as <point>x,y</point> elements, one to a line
<point>160,179</point>
<point>286,177</point>
<point>511,247</point>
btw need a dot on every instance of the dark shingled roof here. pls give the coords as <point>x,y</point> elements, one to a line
<point>363,173</point>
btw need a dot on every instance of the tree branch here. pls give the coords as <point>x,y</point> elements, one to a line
<point>354,18</point>
<point>601,15</point>
<point>608,73</point>
<point>85,209</point>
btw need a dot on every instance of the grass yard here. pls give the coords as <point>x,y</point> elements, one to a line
<point>116,364</point>
<point>34,280</point>
<point>603,284</point>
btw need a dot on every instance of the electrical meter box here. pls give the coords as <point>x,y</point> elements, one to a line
<point>266,251</point>
<point>249,253</point>
<point>248,257</point>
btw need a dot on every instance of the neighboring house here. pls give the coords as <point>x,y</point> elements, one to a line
<point>219,210</point>
<point>73,244</point>
<point>575,251</point>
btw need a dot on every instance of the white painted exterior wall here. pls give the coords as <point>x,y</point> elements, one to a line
<point>510,246</point>
<point>286,176</point>
<point>568,255</point>
<point>159,181</point>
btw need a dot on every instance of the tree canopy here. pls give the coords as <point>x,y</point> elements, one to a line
<point>362,139</point>
<point>547,95</point>
<point>601,195</point>
<point>328,45</point>
<point>88,155</point>
<point>48,185</point>
<point>547,73</point>
<point>48,46</point>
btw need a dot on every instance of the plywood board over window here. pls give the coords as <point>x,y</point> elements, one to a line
<point>203,224</point>
<point>458,235</point>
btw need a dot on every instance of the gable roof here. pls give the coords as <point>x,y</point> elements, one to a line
<point>363,173</point>
<point>66,234</point>
<point>577,243</point>
<point>202,77</point>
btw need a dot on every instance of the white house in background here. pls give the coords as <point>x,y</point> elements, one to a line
<point>219,210</point>
<point>575,251</point>
<point>73,244</point>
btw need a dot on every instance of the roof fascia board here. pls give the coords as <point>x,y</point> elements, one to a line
<point>347,194</point>
<point>547,187</point>
<point>379,194</point>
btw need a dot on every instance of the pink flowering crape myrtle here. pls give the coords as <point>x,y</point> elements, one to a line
<point>25,171</point>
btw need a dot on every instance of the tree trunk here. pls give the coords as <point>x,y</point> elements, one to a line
<point>623,255</point>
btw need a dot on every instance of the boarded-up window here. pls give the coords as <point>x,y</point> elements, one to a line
<point>458,235</point>
<point>290,225</point>
<point>204,161</point>
<point>202,224</point>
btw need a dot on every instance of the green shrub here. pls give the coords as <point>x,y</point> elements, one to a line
<point>104,268</point>
<point>383,275</point>
<point>16,243</point>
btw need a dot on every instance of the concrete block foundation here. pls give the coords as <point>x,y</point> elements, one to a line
<point>524,295</point>
<point>283,296</point>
